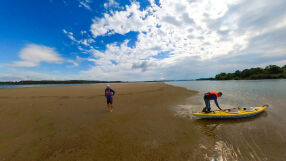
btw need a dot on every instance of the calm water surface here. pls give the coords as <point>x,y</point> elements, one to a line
<point>258,138</point>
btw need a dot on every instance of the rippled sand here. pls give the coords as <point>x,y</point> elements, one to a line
<point>70,123</point>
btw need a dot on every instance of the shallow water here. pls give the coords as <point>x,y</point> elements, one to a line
<point>262,137</point>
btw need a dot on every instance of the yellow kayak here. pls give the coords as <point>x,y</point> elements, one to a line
<point>240,112</point>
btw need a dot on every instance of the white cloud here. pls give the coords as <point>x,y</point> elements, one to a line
<point>166,27</point>
<point>77,61</point>
<point>111,3</point>
<point>85,4</point>
<point>32,55</point>
<point>86,42</point>
<point>197,31</point>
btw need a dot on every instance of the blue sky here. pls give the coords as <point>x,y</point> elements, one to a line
<point>138,40</point>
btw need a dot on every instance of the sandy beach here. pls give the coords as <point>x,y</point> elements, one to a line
<point>71,123</point>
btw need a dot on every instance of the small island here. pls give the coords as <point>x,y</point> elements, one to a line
<point>269,72</point>
<point>34,82</point>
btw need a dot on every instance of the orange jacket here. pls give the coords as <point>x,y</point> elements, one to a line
<point>213,92</point>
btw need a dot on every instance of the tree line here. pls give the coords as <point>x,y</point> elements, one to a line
<point>27,82</point>
<point>269,72</point>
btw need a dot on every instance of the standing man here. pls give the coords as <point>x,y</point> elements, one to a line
<point>211,95</point>
<point>109,93</point>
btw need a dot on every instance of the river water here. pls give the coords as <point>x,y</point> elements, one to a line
<point>262,137</point>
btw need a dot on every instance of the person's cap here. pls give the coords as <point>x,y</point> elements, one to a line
<point>108,85</point>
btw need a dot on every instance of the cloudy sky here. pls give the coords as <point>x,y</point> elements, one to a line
<point>138,40</point>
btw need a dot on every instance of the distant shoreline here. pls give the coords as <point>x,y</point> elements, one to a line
<point>47,83</point>
<point>269,72</point>
<point>42,82</point>
<point>213,79</point>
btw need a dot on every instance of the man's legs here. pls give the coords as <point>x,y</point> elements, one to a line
<point>108,104</point>
<point>208,105</point>
<point>111,107</point>
<point>111,104</point>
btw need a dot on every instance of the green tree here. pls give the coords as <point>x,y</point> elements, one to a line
<point>245,73</point>
<point>237,73</point>
<point>256,70</point>
<point>284,69</point>
<point>221,76</point>
<point>273,69</point>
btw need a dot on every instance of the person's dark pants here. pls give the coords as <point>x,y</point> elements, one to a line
<point>109,100</point>
<point>208,104</point>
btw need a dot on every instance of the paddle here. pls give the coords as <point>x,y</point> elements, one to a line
<point>220,108</point>
<point>223,110</point>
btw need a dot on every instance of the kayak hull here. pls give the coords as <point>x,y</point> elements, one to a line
<point>241,113</point>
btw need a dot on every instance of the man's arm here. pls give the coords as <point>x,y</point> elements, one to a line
<point>113,92</point>
<point>216,102</point>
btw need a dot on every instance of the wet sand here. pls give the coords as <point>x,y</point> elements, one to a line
<point>71,123</point>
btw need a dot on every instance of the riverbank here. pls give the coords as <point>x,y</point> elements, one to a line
<point>70,123</point>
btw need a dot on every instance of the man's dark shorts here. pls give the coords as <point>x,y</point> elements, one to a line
<point>109,101</point>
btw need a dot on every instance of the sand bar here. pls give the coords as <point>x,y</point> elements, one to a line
<point>70,123</point>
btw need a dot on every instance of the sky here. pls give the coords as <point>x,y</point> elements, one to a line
<point>132,40</point>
